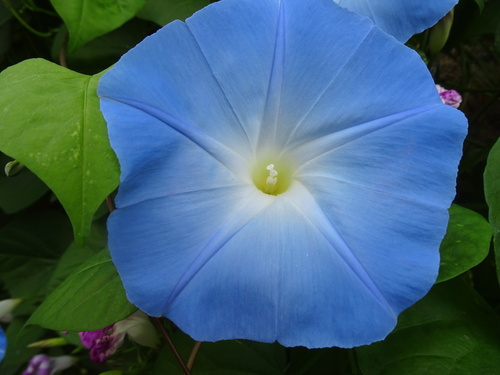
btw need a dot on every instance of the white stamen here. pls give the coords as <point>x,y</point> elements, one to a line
<point>272,179</point>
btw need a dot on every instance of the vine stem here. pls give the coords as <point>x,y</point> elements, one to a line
<point>63,51</point>
<point>13,11</point>
<point>194,353</point>
<point>172,347</point>
<point>111,203</point>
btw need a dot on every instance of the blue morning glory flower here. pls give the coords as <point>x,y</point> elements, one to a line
<point>286,169</point>
<point>401,18</point>
<point>3,344</point>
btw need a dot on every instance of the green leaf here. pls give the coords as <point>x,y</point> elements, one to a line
<point>75,255</point>
<point>480,4</point>
<point>89,299</point>
<point>492,195</point>
<point>449,332</point>
<point>466,243</point>
<point>165,11</point>
<point>88,19</point>
<point>235,357</point>
<point>105,50</point>
<point>51,123</point>
<point>30,247</point>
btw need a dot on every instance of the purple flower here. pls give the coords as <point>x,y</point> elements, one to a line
<point>277,182</point>
<point>41,364</point>
<point>103,343</point>
<point>449,97</point>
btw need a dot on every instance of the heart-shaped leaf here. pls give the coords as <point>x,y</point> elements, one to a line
<point>51,123</point>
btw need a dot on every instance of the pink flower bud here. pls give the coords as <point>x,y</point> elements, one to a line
<point>103,343</point>
<point>449,97</point>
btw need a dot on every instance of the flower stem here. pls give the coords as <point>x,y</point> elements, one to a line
<point>172,347</point>
<point>194,353</point>
<point>111,203</point>
<point>62,53</point>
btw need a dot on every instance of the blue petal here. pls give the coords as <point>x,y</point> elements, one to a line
<point>158,160</point>
<point>280,278</point>
<point>3,344</point>
<point>191,108</point>
<point>222,87</point>
<point>401,18</point>
<point>395,179</point>
<point>365,79</point>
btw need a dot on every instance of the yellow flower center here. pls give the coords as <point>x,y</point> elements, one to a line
<point>272,178</point>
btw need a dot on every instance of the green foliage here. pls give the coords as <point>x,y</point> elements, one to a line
<point>62,138</point>
<point>466,243</point>
<point>30,247</point>
<point>19,191</point>
<point>89,299</point>
<point>88,19</point>
<point>480,4</point>
<point>449,332</point>
<point>241,357</point>
<point>102,52</point>
<point>492,193</point>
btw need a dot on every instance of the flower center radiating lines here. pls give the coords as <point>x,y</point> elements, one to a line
<point>308,151</point>
<point>270,118</point>
<point>224,94</point>
<point>242,215</point>
<point>309,208</point>
<point>194,192</point>
<point>228,157</point>
<point>292,133</point>
<point>308,179</point>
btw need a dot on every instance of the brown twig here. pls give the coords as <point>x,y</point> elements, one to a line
<point>63,51</point>
<point>192,356</point>
<point>172,347</point>
<point>111,203</point>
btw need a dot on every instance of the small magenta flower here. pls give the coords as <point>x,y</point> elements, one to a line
<point>41,364</point>
<point>103,343</point>
<point>277,180</point>
<point>449,97</point>
<point>401,19</point>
